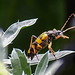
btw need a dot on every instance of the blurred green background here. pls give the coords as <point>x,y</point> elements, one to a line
<point>50,13</point>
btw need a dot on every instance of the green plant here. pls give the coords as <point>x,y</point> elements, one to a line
<point>21,65</point>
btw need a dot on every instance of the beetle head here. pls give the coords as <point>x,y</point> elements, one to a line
<point>60,32</point>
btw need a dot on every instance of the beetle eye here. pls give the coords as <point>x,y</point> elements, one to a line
<point>59,32</point>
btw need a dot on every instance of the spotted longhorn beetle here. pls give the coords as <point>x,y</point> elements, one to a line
<point>46,39</point>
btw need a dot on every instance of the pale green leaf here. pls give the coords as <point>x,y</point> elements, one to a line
<point>19,59</point>
<point>13,30</point>
<point>41,67</point>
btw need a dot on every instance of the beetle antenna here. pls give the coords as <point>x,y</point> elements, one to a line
<point>67,21</point>
<point>68,29</point>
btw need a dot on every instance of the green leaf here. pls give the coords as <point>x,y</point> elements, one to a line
<point>24,64</point>
<point>58,54</point>
<point>27,23</point>
<point>17,69</point>
<point>51,70</point>
<point>19,60</point>
<point>41,67</point>
<point>13,30</point>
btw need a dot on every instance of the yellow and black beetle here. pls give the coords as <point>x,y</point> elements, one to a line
<point>46,39</point>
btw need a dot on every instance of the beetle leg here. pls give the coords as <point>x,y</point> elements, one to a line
<point>52,51</point>
<point>33,46</point>
<point>37,57</point>
<point>57,37</point>
<point>33,36</point>
<point>63,36</point>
